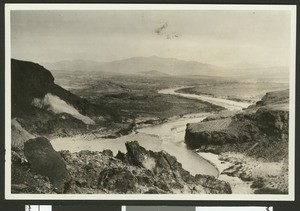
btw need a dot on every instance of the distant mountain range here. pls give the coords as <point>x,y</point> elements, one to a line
<point>137,65</point>
<point>158,66</point>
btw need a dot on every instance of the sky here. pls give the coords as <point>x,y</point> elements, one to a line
<point>219,37</point>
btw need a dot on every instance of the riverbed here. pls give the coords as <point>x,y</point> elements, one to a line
<point>168,136</point>
<point>228,104</point>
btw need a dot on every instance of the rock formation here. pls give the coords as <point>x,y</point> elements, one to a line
<point>262,129</point>
<point>31,80</point>
<point>137,171</point>
<point>250,140</point>
<point>44,160</point>
<point>31,83</point>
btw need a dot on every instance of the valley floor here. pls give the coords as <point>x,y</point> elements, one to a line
<point>121,134</point>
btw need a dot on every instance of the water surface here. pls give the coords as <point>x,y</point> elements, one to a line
<point>168,137</point>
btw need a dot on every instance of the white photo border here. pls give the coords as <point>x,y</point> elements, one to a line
<point>171,197</point>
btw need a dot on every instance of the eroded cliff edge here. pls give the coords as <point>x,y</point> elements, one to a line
<point>43,108</point>
<point>255,141</point>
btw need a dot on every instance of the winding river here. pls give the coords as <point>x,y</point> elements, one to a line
<point>168,137</point>
<point>228,104</point>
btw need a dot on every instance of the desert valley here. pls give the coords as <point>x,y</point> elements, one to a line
<point>88,130</point>
<point>150,102</point>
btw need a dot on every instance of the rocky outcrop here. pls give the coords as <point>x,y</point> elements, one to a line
<point>44,160</point>
<point>274,99</point>
<point>119,180</point>
<point>259,130</point>
<point>31,82</point>
<point>137,171</point>
<point>28,80</point>
<point>241,128</point>
<point>254,142</point>
<point>218,132</point>
<point>164,167</point>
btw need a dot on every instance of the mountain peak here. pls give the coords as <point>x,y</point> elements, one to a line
<point>138,65</point>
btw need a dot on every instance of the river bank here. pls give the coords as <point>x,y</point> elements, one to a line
<point>167,136</point>
<point>238,186</point>
<point>247,175</point>
<point>251,145</point>
<point>228,104</point>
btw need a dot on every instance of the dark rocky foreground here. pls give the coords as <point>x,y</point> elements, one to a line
<point>40,169</point>
<point>259,133</point>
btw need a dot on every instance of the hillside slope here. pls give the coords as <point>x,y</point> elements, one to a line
<point>31,80</point>
<point>44,108</point>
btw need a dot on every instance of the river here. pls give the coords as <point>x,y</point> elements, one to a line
<point>168,136</point>
<point>228,104</point>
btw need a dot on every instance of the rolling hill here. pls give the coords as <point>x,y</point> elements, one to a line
<point>159,66</point>
<point>137,65</point>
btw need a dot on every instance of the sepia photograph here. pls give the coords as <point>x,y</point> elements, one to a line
<point>150,102</point>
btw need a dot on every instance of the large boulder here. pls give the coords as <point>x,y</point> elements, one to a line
<point>167,174</point>
<point>139,156</point>
<point>44,160</point>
